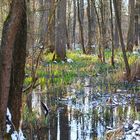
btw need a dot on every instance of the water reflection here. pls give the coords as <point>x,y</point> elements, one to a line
<point>82,111</point>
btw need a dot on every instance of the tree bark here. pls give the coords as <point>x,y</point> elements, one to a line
<point>9,34</point>
<point>137,23</point>
<point>130,35</point>
<point>93,21</point>
<point>17,72</point>
<point>116,35</point>
<point>51,26</point>
<point>91,26</point>
<point>103,29</point>
<point>60,46</point>
<point>81,24</point>
<point>68,28</point>
<point>74,21</point>
<point>100,33</point>
<point>112,57</point>
<point>128,72</point>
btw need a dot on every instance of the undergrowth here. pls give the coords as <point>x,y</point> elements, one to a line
<point>62,73</point>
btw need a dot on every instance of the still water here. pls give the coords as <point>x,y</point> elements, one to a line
<point>84,110</point>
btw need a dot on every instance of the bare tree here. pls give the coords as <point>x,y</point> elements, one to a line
<point>130,35</point>
<point>116,35</point>
<point>128,71</point>
<point>68,29</point>
<point>80,5</point>
<point>50,37</point>
<point>91,27</point>
<point>74,21</point>
<point>137,31</point>
<point>112,34</point>
<point>17,72</point>
<point>101,20</point>
<point>103,27</point>
<point>60,46</point>
<point>11,30</point>
<point>99,31</point>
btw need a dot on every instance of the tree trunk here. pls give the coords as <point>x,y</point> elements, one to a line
<point>81,24</point>
<point>51,26</point>
<point>116,35</point>
<point>91,26</point>
<point>100,33</point>
<point>74,21</point>
<point>137,22</point>
<point>9,34</point>
<point>128,72</point>
<point>130,36</point>
<point>112,57</point>
<point>68,29</point>
<point>103,29</point>
<point>43,22</point>
<point>136,30</point>
<point>17,72</point>
<point>61,31</point>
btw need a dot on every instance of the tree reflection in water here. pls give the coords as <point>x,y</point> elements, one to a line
<point>80,112</point>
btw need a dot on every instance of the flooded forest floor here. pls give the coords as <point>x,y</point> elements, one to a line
<point>87,100</point>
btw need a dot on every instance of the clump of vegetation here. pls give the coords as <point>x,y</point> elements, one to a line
<point>59,73</point>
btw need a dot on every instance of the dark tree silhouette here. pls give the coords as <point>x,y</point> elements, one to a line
<point>11,45</point>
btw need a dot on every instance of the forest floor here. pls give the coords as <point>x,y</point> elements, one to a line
<point>78,64</point>
<point>89,96</point>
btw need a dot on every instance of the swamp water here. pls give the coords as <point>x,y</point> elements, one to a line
<point>84,110</point>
